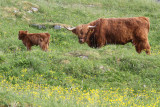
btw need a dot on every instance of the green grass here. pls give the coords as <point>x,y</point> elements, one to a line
<point>73,74</point>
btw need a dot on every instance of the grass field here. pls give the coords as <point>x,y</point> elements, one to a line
<point>72,74</point>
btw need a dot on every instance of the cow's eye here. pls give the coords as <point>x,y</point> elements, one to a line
<point>81,33</point>
<point>79,37</point>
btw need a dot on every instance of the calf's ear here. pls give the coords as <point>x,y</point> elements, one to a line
<point>20,32</point>
<point>25,32</point>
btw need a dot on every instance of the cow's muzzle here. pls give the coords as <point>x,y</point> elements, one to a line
<point>81,41</point>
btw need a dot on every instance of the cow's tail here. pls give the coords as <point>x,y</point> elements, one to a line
<point>148,22</point>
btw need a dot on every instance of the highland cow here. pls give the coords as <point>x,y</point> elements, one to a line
<point>105,31</point>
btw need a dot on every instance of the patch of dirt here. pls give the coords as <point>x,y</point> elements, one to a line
<point>84,55</point>
<point>65,62</point>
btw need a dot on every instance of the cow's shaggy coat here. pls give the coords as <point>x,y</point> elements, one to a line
<point>115,31</point>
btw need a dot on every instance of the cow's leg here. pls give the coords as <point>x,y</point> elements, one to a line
<point>146,47</point>
<point>137,46</point>
<point>141,41</point>
<point>143,45</point>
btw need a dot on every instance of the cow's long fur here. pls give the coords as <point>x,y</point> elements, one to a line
<point>31,39</point>
<point>116,31</point>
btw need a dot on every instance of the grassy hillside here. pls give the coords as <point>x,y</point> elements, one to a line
<point>73,74</point>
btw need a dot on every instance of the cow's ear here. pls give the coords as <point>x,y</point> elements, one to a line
<point>74,31</point>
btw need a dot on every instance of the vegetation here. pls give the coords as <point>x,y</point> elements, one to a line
<point>73,74</point>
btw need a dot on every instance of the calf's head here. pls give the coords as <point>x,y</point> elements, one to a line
<point>22,34</point>
<point>83,31</point>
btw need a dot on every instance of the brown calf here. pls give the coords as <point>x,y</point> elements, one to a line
<point>31,39</point>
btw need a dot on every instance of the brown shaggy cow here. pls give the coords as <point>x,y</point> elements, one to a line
<point>105,31</point>
<point>31,39</point>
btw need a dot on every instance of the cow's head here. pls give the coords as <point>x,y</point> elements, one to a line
<point>83,31</point>
<point>22,34</point>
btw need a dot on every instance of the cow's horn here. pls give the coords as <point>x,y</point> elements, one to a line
<point>91,26</point>
<point>70,28</point>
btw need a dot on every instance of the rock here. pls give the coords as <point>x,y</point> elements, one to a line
<point>57,27</point>
<point>101,67</point>
<point>34,9</point>
<point>29,11</point>
<point>84,57</point>
<point>41,27</point>
<point>38,26</point>
<point>16,11</point>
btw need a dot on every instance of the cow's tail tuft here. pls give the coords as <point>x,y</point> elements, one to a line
<point>148,22</point>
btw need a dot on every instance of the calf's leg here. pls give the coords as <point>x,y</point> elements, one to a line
<point>28,47</point>
<point>43,46</point>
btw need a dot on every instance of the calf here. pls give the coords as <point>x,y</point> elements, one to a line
<point>31,39</point>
